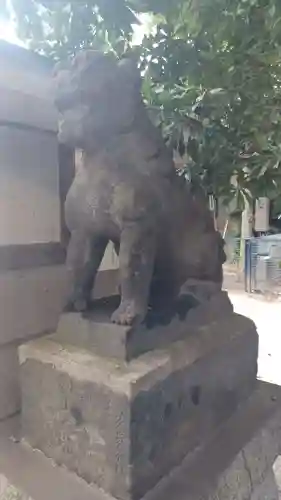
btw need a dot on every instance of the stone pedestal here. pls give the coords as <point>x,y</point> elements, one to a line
<point>125,425</point>
<point>235,464</point>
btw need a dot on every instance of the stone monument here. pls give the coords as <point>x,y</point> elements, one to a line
<point>132,394</point>
<point>128,192</point>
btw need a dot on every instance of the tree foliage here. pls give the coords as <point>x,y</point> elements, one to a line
<point>215,72</point>
<point>212,73</point>
<point>59,28</point>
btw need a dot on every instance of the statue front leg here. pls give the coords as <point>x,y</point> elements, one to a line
<point>84,255</point>
<point>136,262</point>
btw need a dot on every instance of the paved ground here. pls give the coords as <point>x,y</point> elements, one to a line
<point>267,316</point>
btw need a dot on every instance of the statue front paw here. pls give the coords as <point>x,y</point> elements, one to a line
<point>128,313</point>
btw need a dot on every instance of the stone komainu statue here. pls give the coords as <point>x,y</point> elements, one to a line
<point>128,192</point>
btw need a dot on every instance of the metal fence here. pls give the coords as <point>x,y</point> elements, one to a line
<point>257,261</point>
<point>233,252</point>
<point>263,265</point>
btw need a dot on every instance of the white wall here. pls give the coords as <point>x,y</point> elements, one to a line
<point>29,187</point>
<point>29,169</point>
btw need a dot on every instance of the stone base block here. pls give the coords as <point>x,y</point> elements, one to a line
<point>267,490</point>
<point>95,332</point>
<point>9,382</point>
<point>236,464</point>
<point>124,426</point>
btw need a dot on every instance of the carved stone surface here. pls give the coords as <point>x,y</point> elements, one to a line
<point>124,426</point>
<point>223,469</point>
<point>127,191</point>
<point>94,331</point>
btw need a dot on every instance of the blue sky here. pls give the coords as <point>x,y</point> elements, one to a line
<point>8,31</point>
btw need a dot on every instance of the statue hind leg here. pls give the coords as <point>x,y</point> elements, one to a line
<point>136,262</point>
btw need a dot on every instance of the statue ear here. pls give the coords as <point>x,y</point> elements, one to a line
<point>130,74</point>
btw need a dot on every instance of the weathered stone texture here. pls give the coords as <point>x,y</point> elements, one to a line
<point>124,426</point>
<point>9,382</point>
<point>238,483</point>
<point>95,332</point>
<point>267,490</point>
<point>235,483</point>
<point>128,193</point>
<point>217,471</point>
<point>261,454</point>
<point>251,474</point>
